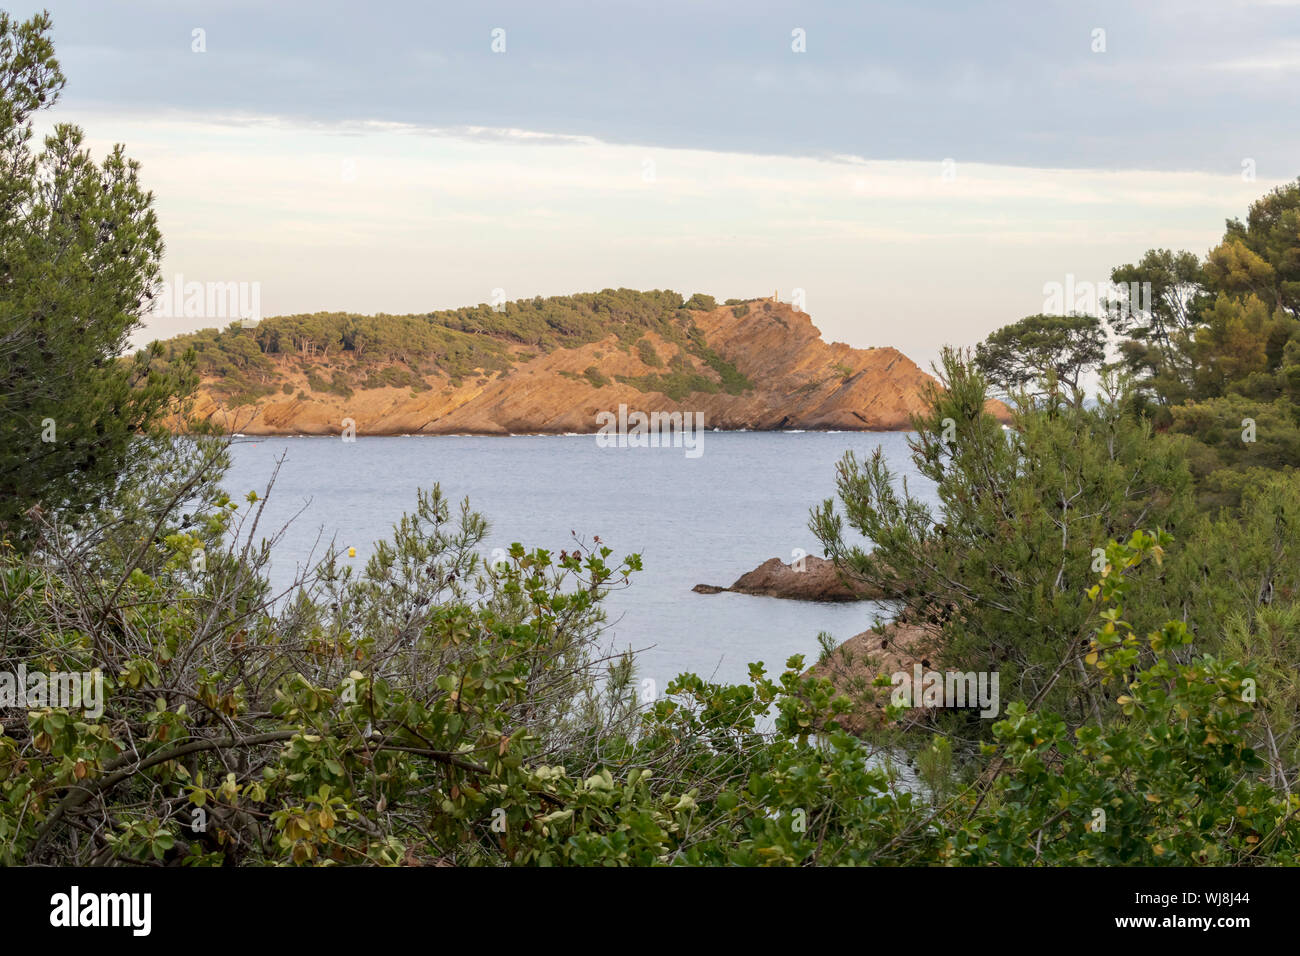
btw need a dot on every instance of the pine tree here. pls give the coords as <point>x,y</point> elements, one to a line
<point>79,258</point>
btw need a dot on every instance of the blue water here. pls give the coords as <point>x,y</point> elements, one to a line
<point>693,520</point>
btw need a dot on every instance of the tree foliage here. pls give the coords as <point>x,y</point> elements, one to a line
<point>428,709</point>
<point>999,570</point>
<point>1157,343</point>
<point>404,350</point>
<point>79,253</point>
<point>1042,349</point>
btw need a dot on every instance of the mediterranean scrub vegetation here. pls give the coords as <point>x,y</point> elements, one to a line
<point>427,708</point>
<point>375,351</point>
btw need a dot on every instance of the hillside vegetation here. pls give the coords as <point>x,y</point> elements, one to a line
<point>377,351</point>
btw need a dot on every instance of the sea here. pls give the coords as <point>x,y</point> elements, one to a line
<point>706,517</point>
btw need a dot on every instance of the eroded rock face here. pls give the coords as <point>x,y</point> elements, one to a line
<point>799,382</point>
<point>809,579</point>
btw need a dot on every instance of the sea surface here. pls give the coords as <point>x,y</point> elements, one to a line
<point>706,519</point>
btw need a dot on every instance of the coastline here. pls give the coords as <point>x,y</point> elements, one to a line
<point>567,433</point>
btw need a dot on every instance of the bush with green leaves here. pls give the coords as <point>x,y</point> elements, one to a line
<point>645,351</point>
<point>996,573</point>
<point>429,710</point>
<point>1171,779</point>
<point>355,713</point>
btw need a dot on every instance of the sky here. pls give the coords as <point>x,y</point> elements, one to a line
<point>914,173</point>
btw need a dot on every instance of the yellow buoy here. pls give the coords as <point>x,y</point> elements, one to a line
<point>352,552</point>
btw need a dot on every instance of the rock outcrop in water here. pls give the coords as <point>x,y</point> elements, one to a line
<point>809,579</point>
<point>759,365</point>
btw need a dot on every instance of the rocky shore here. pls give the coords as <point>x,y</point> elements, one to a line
<point>807,579</point>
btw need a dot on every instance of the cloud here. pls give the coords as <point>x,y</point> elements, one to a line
<point>1003,84</point>
<point>394,217</point>
<point>1278,58</point>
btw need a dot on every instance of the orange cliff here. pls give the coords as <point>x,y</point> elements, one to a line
<point>799,382</point>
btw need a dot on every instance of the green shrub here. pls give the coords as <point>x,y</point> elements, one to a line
<point>646,352</point>
<point>675,385</point>
<point>733,381</point>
